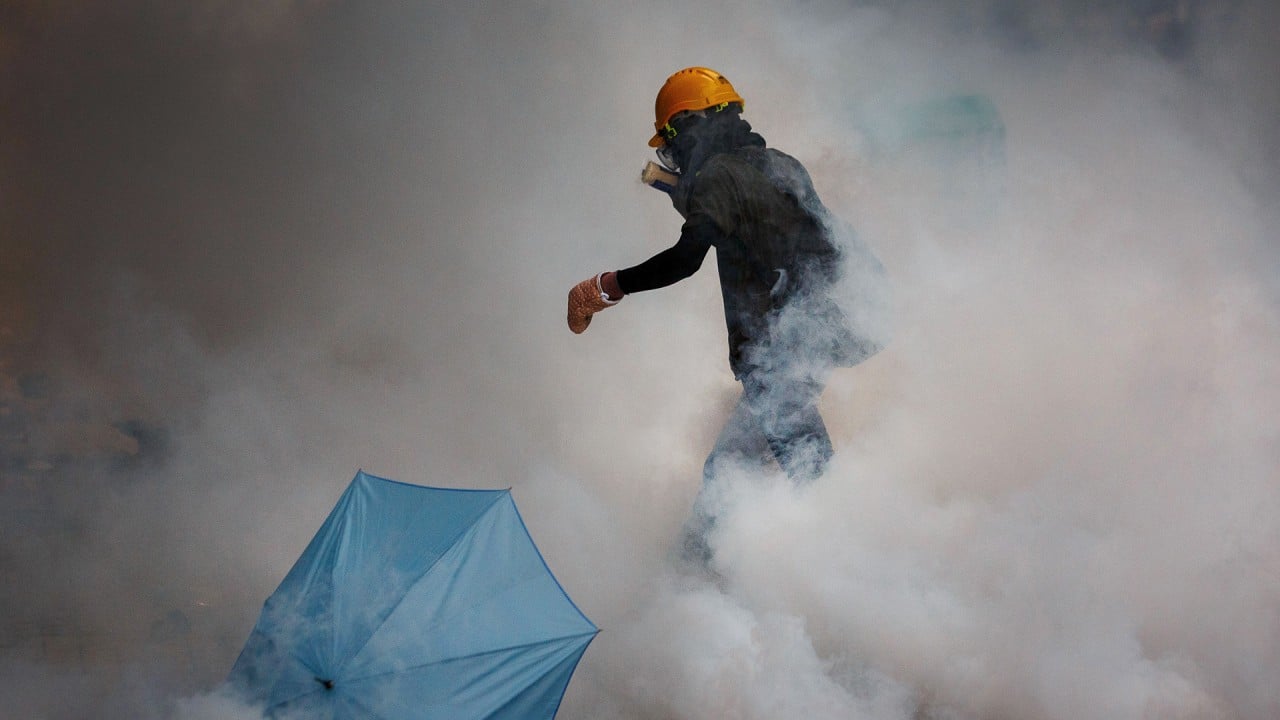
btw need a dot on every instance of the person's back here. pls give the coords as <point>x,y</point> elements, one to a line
<point>775,248</point>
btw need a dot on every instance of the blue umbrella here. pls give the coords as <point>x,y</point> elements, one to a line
<point>415,602</point>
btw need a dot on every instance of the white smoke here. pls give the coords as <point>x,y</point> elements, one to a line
<point>317,237</point>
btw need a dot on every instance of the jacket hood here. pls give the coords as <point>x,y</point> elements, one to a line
<point>720,133</point>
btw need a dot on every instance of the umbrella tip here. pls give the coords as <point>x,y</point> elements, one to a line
<point>328,684</point>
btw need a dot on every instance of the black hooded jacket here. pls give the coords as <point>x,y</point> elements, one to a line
<point>772,235</point>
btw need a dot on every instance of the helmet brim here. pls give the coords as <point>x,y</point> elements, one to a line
<point>693,88</point>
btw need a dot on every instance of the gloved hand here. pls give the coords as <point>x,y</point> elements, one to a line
<point>589,297</point>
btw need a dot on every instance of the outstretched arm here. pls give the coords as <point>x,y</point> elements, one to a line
<point>667,267</point>
<point>676,262</point>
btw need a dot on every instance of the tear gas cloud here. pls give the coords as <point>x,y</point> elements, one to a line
<point>252,248</point>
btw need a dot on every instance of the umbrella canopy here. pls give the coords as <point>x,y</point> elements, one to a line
<point>415,602</point>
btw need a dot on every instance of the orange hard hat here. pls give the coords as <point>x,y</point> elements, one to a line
<point>694,88</point>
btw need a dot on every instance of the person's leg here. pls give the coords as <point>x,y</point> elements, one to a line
<point>802,446</point>
<point>777,416</point>
<point>740,444</point>
<point>785,406</point>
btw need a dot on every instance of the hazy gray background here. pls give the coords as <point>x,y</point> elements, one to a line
<point>249,248</point>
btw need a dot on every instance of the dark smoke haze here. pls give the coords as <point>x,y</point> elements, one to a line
<point>249,248</point>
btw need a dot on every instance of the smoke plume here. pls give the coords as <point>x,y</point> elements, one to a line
<point>251,248</point>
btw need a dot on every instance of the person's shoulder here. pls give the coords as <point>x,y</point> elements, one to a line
<point>721,162</point>
<point>779,158</point>
<point>716,190</point>
<point>738,165</point>
<point>768,160</point>
<point>717,174</point>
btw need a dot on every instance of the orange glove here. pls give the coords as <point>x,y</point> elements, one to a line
<point>588,298</point>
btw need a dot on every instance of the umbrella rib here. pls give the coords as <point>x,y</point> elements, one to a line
<point>510,585</point>
<point>494,651</point>
<point>374,630</point>
<point>306,665</point>
<point>295,698</point>
<point>442,620</point>
<point>363,707</point>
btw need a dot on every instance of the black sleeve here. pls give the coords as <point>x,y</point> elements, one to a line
<point>676,262</point>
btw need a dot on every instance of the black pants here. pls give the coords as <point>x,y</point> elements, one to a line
<point>776,417</point>
<point>775,420</point>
